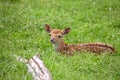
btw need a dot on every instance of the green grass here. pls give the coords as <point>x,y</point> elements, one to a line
<point>22,33</point>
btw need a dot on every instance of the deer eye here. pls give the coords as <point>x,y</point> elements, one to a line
<point>59,36</point>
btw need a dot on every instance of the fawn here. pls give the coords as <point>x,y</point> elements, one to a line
<point>56,38</point>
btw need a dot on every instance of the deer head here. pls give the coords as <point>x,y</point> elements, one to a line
<point>56,34</point>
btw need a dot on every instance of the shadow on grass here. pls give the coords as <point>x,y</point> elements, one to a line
<point>116,25</point>
<point>10,1</point>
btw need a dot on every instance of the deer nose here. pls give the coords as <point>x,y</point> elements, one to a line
<point>52,40</point>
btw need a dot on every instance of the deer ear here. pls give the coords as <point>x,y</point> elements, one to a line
<point>47,28</point>
<point>66,31</point>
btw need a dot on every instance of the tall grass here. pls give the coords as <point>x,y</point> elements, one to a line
<point>22,33</point>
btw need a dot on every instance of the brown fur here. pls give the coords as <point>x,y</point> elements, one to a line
<point>69,49</point>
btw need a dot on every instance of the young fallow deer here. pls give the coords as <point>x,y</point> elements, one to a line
<point>56,38</point>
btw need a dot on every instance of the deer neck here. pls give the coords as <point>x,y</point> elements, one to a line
<point>60,46</point>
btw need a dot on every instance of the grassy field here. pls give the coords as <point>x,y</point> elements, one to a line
<point>22,33</point>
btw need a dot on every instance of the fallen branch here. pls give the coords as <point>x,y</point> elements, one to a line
<point>36,67</point>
